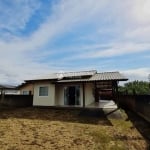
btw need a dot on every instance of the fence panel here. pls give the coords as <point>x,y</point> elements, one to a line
<point>137,103</point>
<point>16,100</point>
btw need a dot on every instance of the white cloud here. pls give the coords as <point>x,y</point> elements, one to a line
<point>109,50</point>
<point>139,34</point>
<point>140,12</point>
<point>137,74</point>
<point>66,15</point>
<point>135,20</point>
<point>120,49</point>
<point>15,14</point>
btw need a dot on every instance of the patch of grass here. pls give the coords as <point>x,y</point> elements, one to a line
<point>101,136</point>
<point>33,128</point>
<point>105,140</point>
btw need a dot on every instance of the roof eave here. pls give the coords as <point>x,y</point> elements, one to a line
<point>111,80</point>
<point>36,80</point>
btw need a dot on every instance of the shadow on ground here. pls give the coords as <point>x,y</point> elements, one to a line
<point>141,125</point>
<point>74,116</point>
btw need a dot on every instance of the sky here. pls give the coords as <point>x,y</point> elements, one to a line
<point>39,37</point>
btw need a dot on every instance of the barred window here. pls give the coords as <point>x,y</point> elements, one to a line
<point>43,91</point>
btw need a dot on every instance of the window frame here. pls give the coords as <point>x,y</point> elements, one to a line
<point>41,94</point>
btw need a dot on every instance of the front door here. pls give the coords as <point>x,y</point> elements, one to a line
<point>72,95</point>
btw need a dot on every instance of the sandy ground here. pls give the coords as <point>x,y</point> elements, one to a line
<point>36,128</point>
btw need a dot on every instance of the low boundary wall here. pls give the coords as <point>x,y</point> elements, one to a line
<point>140,104</point>
<point>16,100</point>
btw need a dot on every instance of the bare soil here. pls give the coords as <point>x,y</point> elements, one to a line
<point>38,129</point>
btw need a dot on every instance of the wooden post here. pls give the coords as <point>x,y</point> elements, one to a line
<point>83,88</point>
<point>2,95</point>
<point>117,87</point>
<point>117,95</point>
<point>95,90</point>
<point>96,93</point>
<point>113,90</point>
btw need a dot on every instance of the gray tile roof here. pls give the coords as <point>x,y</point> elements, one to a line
<point>105,76</point>
<point>51,76</point>
<point>5,86</point>
<point>79,73</point>
<point>108,76</point>
<point>94,76</point>
<point>72,80</point>
<point>61,75</point>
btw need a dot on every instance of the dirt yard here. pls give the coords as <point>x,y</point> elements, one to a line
<point>36,128</point>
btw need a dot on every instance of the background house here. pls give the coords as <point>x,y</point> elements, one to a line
<point>8,89</point>
<point>26,88</point>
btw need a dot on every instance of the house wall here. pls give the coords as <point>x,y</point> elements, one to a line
<point>27,87</point>
<point>44,100</point>
<point>56,94</point>
<point>89,95</point>
<point>59,95</point>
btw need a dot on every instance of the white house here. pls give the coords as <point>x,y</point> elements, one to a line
<point>74,89</point>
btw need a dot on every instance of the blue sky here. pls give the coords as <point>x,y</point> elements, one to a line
<point>40,37</point>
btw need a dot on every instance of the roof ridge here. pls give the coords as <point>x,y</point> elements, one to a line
<point>109,72</point>
<point>77,71</point>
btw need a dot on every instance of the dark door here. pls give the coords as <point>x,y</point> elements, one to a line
<point>71,95</point>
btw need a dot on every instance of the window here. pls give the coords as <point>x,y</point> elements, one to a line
<point>43,91</point>
<point>25,92</point>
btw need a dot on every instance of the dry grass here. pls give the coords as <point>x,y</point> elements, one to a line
<point>34,128</point>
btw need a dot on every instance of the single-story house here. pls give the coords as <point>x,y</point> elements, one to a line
<point>77,89</point>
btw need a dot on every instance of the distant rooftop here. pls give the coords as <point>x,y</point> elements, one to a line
<point>6,86</point>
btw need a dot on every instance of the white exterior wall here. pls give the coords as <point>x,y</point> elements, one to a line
<point>89,96</point>
<point>56,94</point>
<point>59,94</point>
<point>44,100</point>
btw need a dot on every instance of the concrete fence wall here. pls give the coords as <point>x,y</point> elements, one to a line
<point>16,100</point>
<point>137,103</point>
<point>127,101</point>
<point>143,106</point>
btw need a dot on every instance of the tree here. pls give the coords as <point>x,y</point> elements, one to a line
<point>135,87</point>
